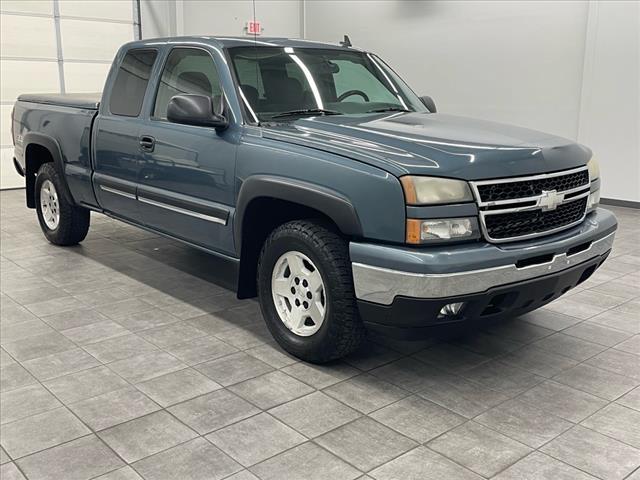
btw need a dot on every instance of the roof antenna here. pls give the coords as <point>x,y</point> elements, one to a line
<point>346,42</point>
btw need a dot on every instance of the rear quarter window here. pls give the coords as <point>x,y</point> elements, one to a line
<point>131,82</point>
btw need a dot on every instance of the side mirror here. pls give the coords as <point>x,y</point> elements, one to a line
<point>195,110</point>
<point>429,103</point>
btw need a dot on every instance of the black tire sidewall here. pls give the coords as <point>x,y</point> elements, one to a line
<point>302,346</point>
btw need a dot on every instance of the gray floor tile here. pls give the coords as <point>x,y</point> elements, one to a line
<point>271,389</point>
<point>80,459</point>
<point>410,373</point>
<point>146,366</point>
<point>145,436</point>
<point>112,408</point>
<point>74,319</point>
<point>422,464</point>
<point>120,348</point>
<point>321,376</point>
<point>622,363</point>
<point>118,310</point>
<point>551,320</point>
<point>538,361</point>
<point>272,355</point>
<point>124,473</point>
<point>365,443</point>
<point>38,346</point>
<point>200,350</point>
<point>462,396</point>
<point>233,368</point>
<point>596,381</point>
<point>539,466</point>
<point>177,387</point>
<point>255,439</point>
<point>569,346</point>
<point>314,414</point>
<point>14,376</point>
<point>26,401</point>
<point>243,475</point>
<point>56,305</point>
<point>172,334</point>
<point>194,460</point>
<point>41,431</point>
<point>518,330</point>
<point>631,399</point>
<point>59,364</point>
<point>451,357</point>
<point>87,383</point>
<point>594,453</point>
<point>479,448</point>
<point>599,334</point>
<point>316,464</point>
<point>626,322</point>
<point>9,471</point>
<point>371,355</point>
<point>146,319</point>
<point>523,422</point>
<point>17,331</point>
<point>616,421</point>
<point>366,393</point>
<point>488,345</point>
<point>4,457</point>
<point>563,401</point>
<point>213,411</point>
<point>95,332</point>
<point>631,345</point>
<point>417,418</point>
<point>502,377</point>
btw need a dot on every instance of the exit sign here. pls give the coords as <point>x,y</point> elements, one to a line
<point>254,27</point>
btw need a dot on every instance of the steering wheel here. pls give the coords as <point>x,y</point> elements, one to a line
<point>348,93</point>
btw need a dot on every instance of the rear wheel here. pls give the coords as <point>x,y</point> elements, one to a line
<point>61,222</point>
<point>306,291</point>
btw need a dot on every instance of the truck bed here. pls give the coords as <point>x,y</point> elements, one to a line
<point>89,101</point>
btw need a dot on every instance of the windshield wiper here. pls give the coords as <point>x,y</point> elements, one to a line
<point>389,109</point>
<point>307,111</point>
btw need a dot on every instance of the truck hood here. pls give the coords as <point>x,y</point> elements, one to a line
<point>434,144</point>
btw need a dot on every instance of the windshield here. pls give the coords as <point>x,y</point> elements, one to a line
<point>283,82</point>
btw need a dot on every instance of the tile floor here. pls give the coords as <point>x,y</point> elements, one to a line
<point>121,360</point>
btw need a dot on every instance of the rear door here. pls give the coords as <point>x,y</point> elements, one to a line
<point>186,178</point>
<point>116,139</point>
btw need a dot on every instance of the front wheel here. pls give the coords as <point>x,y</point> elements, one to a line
<point>61,222</point>
<point>306,292</point>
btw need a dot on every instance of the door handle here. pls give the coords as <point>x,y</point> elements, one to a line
<point>147,143</point>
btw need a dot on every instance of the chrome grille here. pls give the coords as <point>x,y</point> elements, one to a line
<point>525,207</point>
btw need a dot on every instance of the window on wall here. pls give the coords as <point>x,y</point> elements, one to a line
<point>131,82</point>
<point>187,71</point>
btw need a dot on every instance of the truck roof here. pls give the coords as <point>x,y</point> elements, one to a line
<point>228,42</point>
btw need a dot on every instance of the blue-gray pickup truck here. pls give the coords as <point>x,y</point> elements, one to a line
<point>325,185</point>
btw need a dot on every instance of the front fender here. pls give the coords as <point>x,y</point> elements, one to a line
<point>333,204</point>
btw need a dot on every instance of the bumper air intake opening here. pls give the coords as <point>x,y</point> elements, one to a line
<point>540,259</point>
<point>498,304</point>
<point>578,248</point>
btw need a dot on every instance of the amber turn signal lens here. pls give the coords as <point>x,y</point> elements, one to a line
<point>413,231</point>
<point>410,195</point>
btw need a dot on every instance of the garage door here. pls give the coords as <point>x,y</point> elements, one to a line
<point>56,46</point>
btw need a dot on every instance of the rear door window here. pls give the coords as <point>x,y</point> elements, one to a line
<point>131,82</point>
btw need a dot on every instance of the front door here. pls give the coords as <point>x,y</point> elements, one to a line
<point>116,142</point>
<point>186,177</point>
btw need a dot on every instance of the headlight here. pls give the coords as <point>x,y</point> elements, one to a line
<point>594,169</point>
<point>441,230</point>
<point>434,191</point>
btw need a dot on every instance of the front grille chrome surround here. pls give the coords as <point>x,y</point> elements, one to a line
<point>531,202</point>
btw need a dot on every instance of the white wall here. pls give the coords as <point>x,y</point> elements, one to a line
<point>53,46</point>
<point>568,68</point>
<point>610,114</point>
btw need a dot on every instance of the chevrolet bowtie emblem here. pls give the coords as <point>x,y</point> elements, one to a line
<point>550,199</point>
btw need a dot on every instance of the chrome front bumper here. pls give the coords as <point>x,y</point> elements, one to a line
<point>382,285</point>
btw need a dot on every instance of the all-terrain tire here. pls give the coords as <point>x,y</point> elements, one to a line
<point>342,330</point>
<point>73,221</point>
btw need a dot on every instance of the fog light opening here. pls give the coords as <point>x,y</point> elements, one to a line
<point>451,310</point>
